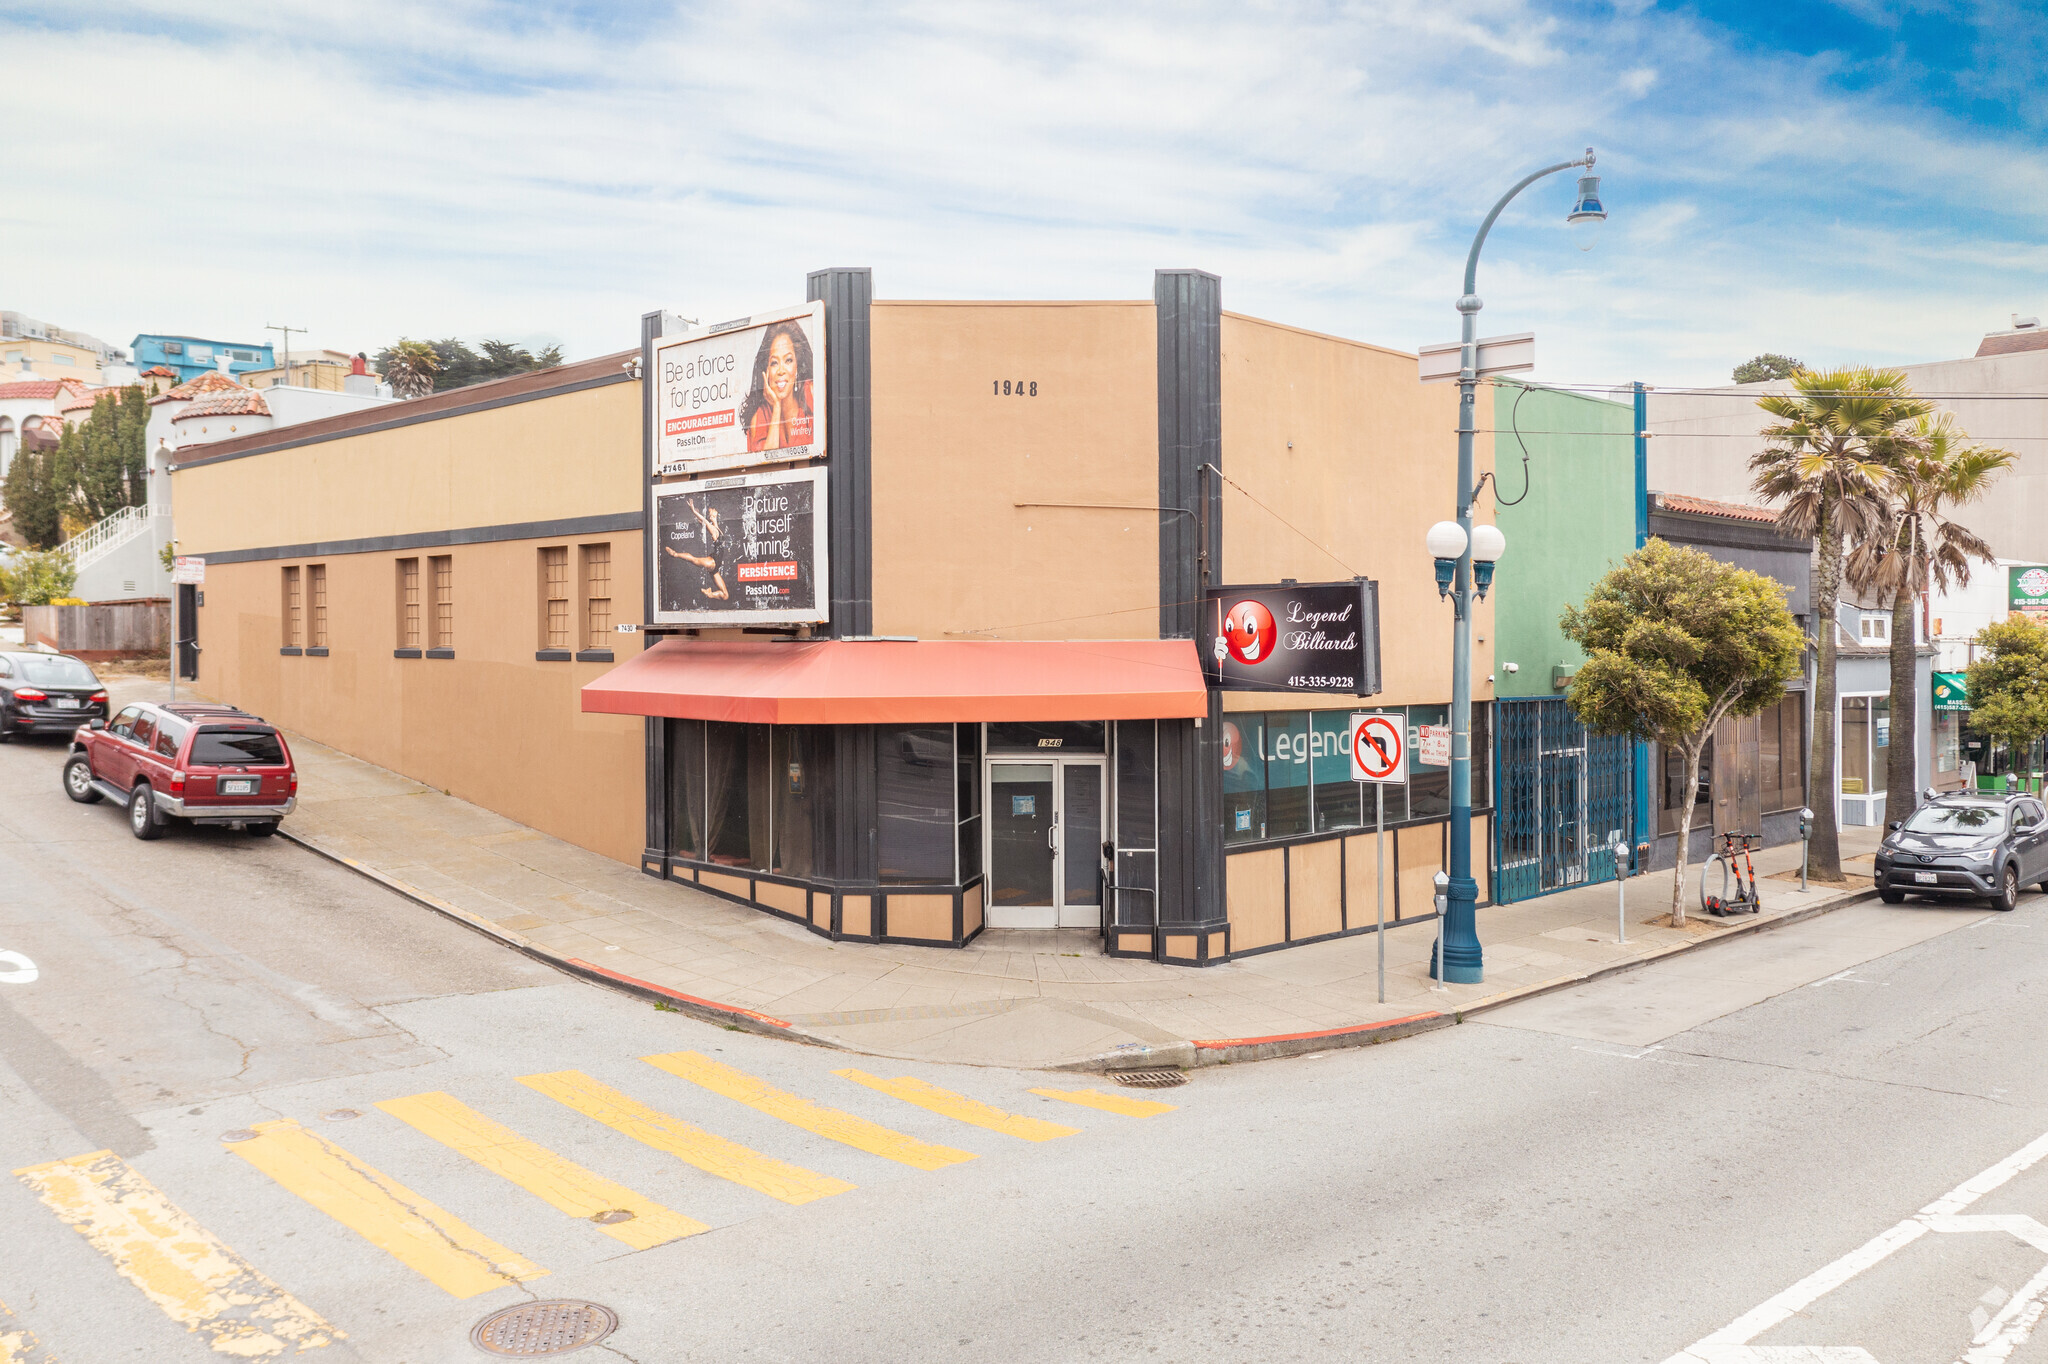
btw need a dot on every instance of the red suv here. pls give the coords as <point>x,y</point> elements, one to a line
<point>209,764</point>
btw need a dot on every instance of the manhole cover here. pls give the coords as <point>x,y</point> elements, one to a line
<point>554,1327</point>
<point>238,1134</point>
<point>611,1217</point>
<point>341,1115</point>
<point>1150,1079</point>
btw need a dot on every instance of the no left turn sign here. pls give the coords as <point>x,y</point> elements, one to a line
<point>1379,747</point>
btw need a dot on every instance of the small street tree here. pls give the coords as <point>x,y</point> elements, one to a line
<point>1675,641</point>
<point>1918,548</point>
<point>2009,684</point>
<point>101,463</point>
<point>1769,365</point>
<point>38,578</point>
<point>1825,461</point>
<point>33,497</point>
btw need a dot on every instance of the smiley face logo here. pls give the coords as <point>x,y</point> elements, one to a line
<point>1249,632</point>
<point>1233,745</point>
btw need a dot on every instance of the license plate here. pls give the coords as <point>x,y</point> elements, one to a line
<point>240,786</point>
<point>1924,878</point>
<point>68,703</point>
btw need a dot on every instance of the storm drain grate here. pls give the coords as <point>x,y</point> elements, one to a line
<point>1150,1079</point>
<point>554,1327</point>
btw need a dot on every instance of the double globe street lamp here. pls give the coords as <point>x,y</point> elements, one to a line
<point>1465,556</point>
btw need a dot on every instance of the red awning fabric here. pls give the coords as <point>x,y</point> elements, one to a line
<point>859,682</point>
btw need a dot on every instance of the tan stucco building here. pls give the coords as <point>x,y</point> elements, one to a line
<point>1016,579</point>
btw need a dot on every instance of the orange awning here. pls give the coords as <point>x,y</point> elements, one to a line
<point>860,682</point>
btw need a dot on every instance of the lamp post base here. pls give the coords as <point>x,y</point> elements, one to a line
<point>1463,962</point>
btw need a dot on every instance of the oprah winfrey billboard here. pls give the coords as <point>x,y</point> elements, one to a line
<point>745,392</point>
<point>1321,637</point>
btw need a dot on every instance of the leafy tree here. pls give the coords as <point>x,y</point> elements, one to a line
<point>1769,365</point>
<point>33,497</point>
<point>409,367</point>
<point>2009,683</point>
<point>1918,548</point>
<point>458,366</point>
<point>1675,640</point>
<point>1827,460</point>
<point>101,463</point>
<point>39,578</point>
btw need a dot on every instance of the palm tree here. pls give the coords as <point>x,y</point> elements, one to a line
<point>410,366</point>
<point>1826,459</point>
<point>1917,548</point>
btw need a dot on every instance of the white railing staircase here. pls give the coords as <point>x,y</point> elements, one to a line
<point>102,538</point>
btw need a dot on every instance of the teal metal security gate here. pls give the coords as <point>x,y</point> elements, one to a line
<point>1563,792</point>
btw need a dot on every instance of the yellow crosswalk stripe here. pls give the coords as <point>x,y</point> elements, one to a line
<point>685,1141</point>
<point>563,1183</point>
<point>959,1106</point>
<point>18,1344</point>
<point>830,1123</point>
<point>179,1265</point>
<point>1108,1103</point>
<point>435,1244</point>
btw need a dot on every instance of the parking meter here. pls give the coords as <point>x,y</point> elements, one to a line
<point>1442,882</point>
<point>1805,843</point>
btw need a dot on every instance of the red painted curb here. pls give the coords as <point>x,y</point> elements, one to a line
<point>1220,1043</point>
<point>639,984</point>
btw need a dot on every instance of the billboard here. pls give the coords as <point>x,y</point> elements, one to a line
<point>746,392</point>
<point>2027,593</point>
<point>748,549</point>
<point>1316,637</point>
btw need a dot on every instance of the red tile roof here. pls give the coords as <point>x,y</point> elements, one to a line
<point>1702,506</point>
<point>242,402</point>
<point>84,400</point>
<point>40,388</point>
<point>213,381</point>
<point>159,372</point>
<point>2011,343</point>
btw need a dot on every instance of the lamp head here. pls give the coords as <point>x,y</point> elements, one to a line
<point>1446,569</point>
<point>1587,212</point>
<point>1445,540</point>
<point>1488,544</point>
<point>1482,576</point>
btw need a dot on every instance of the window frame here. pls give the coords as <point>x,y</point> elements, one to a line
<point>596,615</point>
<point>316,606</point>
<point>441,570</point>
<point>555,591</point>
<point>411,609</point>
<point>292,609</point>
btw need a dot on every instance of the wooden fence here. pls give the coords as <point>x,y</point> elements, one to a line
<point>102,631</point>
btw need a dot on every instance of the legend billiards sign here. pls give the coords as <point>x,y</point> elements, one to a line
<point>1316,637</point>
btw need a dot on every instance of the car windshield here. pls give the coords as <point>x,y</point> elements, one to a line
<point>237,748</point>
<point>55,670</point>
<point>1956,819</point>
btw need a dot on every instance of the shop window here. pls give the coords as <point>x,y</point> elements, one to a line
<point>802,774</point>
<point>409,623</point>
<point>1948,741</point>
<point>1137,822</point>
<point>686,788</point>
<point>316,598</point>
<point>1075,736</point>
<point>1429,786</point>
<point>1287,785</point>
<point>294,609</point>
<point>1244,777</point>
<point>1866,744</point>
<point>1337,797</point>
<point>914,794</point>
<point>967,798</point>
<point>1673,787</point>
<point>442,569</point>
<point>737,818</point>
<point>554,597</point>
<point>597,596</point>
<point>1781,756</point>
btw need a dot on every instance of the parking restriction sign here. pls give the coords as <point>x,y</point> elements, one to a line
<point>1379,747</point>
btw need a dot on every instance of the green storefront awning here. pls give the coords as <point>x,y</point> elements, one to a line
<point>1951,692</point>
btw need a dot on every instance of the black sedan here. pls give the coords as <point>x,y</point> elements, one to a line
<point>47,694</point>
<point>1973,845</point>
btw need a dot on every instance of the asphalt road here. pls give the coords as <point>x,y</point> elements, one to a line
<point>1612,1175</point>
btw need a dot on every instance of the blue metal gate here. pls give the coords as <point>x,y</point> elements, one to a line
<point>1562,792</point>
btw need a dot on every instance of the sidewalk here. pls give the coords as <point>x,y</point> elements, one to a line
<point>1014,998</point>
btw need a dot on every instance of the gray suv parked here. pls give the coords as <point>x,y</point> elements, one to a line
<point>1970,844</point>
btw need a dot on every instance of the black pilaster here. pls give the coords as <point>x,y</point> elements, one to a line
<point>1189,306</point>
<point>847,295</point>
<point>657,729</point>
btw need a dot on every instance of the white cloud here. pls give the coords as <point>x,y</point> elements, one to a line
<point>381,168</point>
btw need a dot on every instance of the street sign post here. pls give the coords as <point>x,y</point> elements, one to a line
<point>1379,754</point>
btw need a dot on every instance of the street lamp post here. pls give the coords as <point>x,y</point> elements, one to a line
<point>1460,958</point>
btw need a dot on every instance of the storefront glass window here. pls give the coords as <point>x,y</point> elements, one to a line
<point>1069,736</point>
<point>967,798</point>
<point>1244,777</point>
<point>1287,786</point>
<point>1137,861</point>
<point>1337,802</point>
<point>737,794</point>
<point>803,780</point>
<point>686,788</point>
<point>914,778</point>
<point>1429,787</point>
<point>1948,741</point>
<point>1880,741</point>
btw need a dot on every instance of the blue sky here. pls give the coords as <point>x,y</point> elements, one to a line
<point>1841,180</point>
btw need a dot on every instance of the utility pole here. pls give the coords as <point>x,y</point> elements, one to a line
<point>273,327</point>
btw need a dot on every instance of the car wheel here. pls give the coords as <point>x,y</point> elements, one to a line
<point>260,828</point>
<point>142,818</point>
<point>6,733</point>
<point>2008,896</point>
<point>1892,897</point>
<point>78,781</point>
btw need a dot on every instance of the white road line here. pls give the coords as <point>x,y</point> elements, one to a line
<point>1643,1055</point>
<point>1791,1354</point>
<point>1940,1215</point>
<point>24,972</point>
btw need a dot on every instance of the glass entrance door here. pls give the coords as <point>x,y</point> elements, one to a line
<point>1045,835</point>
